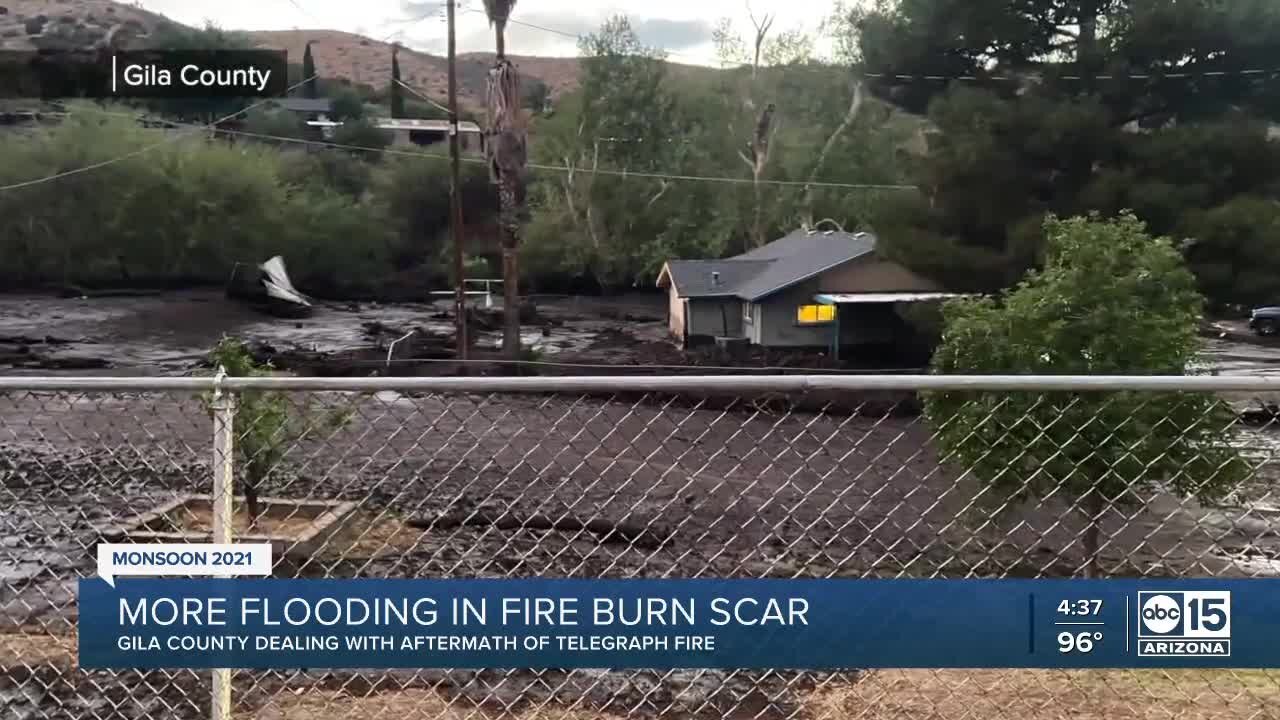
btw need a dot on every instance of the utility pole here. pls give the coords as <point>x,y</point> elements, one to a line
<point>455,192</point>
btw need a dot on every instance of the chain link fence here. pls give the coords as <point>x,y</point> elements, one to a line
<point>634,477</point>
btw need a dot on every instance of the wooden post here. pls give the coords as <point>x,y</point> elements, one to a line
<point>455,191</point>
<point>224,412</point>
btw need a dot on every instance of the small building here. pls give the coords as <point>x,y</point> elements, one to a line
<point>811,289</point>
<point>410,131</point>
<point>413,131</point>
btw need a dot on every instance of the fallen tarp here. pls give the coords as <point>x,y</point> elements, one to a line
<point>276,281</point>
<point>269,290</point>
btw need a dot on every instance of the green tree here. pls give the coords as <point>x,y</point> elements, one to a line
<point>347,105</point>
<point>275,123</point>
<point>1068,106</point>
<point>172,36</point>
<point>260,426</point>
<point>1111,300</point>
<point>267,423</point>
<point>186,211</point>
<point>310,89</point>
<point>396,90</point>
<point>362,134</point>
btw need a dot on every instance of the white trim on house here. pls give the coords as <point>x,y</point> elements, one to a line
<point>872,297</point>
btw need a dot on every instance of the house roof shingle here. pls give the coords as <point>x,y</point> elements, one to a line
<point>800,256</point>
<point>773,267</point>
<point>693,278</point>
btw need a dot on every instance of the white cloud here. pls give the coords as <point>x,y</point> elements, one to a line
<point>677,25</point>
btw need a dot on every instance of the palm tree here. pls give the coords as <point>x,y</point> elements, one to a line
<point>506,152</point>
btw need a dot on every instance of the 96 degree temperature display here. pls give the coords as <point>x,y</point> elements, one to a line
<point>1079,641</point>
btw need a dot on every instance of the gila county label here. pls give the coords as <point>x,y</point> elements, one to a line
<point>105,74</point>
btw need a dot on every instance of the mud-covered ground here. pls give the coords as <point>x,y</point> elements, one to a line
<point>751,490</point>
<point>171,333</point>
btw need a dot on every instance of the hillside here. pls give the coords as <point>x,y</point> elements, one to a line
<point>33,24</point>
<point>364,60</point>
<point>30,24</point>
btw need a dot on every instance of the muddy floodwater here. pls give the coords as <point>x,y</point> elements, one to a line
<point>169,334</point>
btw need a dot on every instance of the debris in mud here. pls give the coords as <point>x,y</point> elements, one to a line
<point>18,351</point>
<point>72,291</point>
<point>1265,414</point>
<point>269,290</point>
<point>46,340</point>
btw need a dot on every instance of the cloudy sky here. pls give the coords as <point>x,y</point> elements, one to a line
<point>683,27</point>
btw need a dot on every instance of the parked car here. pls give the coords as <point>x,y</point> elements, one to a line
<point>1265,320</point>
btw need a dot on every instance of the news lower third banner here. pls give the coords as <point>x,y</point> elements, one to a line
<point>660,624</point>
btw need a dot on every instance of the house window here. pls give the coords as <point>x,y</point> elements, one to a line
<point>815,314</point>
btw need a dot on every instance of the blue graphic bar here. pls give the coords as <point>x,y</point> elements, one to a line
<point>662,624</point>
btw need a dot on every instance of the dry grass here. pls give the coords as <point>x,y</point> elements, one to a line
<point>879,695</point>
<point>398,705</point>
<point>1052,695</point>
<point>36,648</point>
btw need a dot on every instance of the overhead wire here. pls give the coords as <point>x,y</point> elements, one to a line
<point>422,96</point>
<point>1177,74</point>
<point>533,166</point>
<point>143,150</point>
<point>298,6</point>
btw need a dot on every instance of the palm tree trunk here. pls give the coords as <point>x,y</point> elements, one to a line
<point>510,303</point>
<point>506,164</point>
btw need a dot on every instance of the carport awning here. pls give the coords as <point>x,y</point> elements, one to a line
<point>855,298</point>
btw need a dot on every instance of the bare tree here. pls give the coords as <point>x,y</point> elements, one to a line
<point>507,155</point>
<point>855,104</point>
<point>762,27</point>
<point>758,159</point>
<point>758,146</point>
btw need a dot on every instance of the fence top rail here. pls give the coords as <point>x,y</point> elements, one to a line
<point>662,383</point>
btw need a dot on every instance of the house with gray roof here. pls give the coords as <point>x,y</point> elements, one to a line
<point>810,289</point>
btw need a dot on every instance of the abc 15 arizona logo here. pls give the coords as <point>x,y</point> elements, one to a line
<point>1193,623</point>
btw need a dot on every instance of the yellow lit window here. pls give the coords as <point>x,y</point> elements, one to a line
<point>815,314</point>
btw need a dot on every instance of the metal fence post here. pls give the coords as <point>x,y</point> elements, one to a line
<point>223,511</point>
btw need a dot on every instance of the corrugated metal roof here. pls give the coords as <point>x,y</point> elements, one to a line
<point>893,297</point>
<point>420,124</point>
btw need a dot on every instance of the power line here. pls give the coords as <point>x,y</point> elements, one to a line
<point>1044,76</point>
<point>94,166</point>
<point>421,95</point>
<point>577,36</point>
<point>536,166</point>
<point>949,78</point>
<point>437,10</point>
<point>298,6</point>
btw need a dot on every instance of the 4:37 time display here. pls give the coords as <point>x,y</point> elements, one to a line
<point>1080,608</point>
